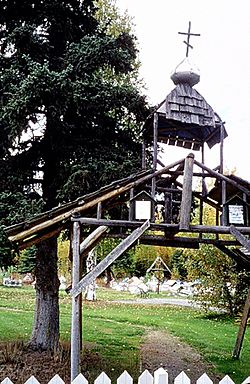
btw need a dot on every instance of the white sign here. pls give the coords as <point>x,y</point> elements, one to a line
<point>143,210</point>
<point>236,214</point>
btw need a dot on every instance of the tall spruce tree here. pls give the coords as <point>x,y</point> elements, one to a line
<point>69,119</point>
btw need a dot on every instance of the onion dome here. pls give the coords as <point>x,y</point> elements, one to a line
<point>186,73</point>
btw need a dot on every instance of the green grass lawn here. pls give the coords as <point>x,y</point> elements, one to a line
<point>115,330</point>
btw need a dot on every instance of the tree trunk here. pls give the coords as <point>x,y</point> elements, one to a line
<point>45,334</point>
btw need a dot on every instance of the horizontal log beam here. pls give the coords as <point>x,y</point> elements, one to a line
<point>197,174</point>
<point>162,226</point>
<point>159,240</point>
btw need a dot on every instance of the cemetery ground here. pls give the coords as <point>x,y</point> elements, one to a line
<point>119,336</point>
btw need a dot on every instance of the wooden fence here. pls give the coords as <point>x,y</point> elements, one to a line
<point>160,377</point>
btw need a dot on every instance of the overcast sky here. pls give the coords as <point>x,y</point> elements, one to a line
<point>222,53</point>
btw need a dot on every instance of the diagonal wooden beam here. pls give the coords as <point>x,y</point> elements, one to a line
<point>90,241</point>
<point>241,238</point>
<point>222,177</point>
<point>242,329</point>
<point>237,257</point>
<point>112,256</point>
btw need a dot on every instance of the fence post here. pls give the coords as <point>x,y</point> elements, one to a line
<point>75,323</point>
<point>161,376</point>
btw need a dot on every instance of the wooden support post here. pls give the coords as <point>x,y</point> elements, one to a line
<point>143,155</point>
<point>247,211</point>
<point>75,325</point>
<point>242,329</point>
<point>99,210</point>
<point>131,205</point>
<point>112,256</point>
<point>223,202</point>
<point>168,207</point>
<point>155,137</point>
<point>223,183</point>
<point>202,189</point>
<point>186,200</point>
<point>80,305</point>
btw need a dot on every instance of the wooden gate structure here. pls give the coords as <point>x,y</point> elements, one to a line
<point>183,119</point>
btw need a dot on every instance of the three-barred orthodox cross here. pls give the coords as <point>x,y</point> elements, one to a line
<point>188,34</point>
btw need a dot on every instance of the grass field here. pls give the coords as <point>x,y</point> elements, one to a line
<point>115,330</point>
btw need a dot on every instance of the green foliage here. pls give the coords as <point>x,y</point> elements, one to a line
<point>64,264</point>
<point>14,207</point>
<point>70,109</point>
<point>223,284</point>
<point>6,255</point>
<point>178,265</point>
<point>27,260</point>
<point>110,19</point>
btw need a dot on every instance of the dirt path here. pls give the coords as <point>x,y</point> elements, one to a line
<point>160,349</point>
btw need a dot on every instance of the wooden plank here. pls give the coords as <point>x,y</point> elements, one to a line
<point>56,380</point>
<point>241,238</point>
<point>109,259</point>
<point>204,379</point>
<point>242,329</point>
<point>160,376</point>
<point>80,379</point>
<point>186,200</point>
<point>246,381</point>
<point>125,378</point>
<point>75,323</point>
<point>146,378</point>
<point>32,380</point>
<point>226,380</point>
<point>182,378</point>
<point>102,379</point>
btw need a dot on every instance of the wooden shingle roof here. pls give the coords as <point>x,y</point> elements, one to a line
<point>185,119</point>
